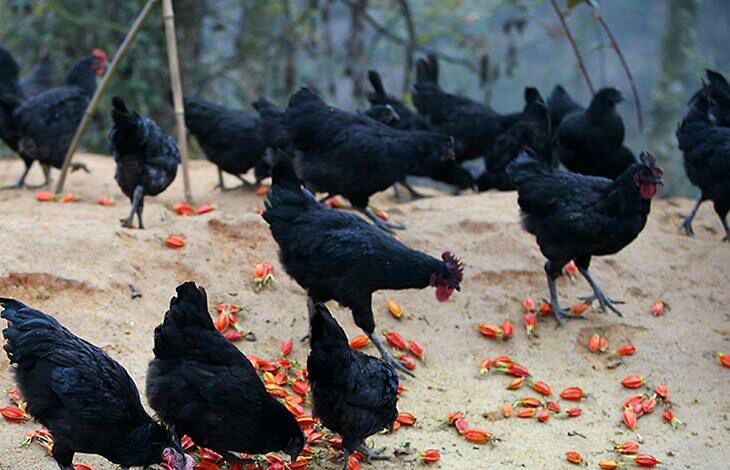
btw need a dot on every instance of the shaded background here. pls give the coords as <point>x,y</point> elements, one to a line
<point>231,51</point>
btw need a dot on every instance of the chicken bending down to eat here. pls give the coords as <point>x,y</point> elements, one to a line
<point>335,255</point>
<point>590,141</point>
<point>146,158</point>
<point>47,122</point>
<point>341,153</point>
<point>84,397</point>
<point>532,130</point>
<point>706,149</point>
<point>230,138</point>
<point>353,394</point>
<point>576,217</point>
<point>204,387</point>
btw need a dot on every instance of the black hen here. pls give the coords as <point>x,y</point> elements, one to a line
<point>11,97</point>
<point>353,394</point>
<point>146,157</point>
<point>475,127</point>
<point>532,131</point>
<point>706,149</point>
<point>575,217</point>
<point>354,155</point>
<point>437,169</point>
<point>589,141</point>
<point>84,397</point>
<point>274,133</point>
<point>48,121</point>
<point>230,138</point>
<point>201,384</point>
<point>39,79</point>
<point>719,94</point>
<point>338,256</point>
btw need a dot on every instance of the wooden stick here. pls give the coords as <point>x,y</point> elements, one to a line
<point>614,46</point>
<point>574,46</point>
<point>94,103</point>
<point>177,94</point>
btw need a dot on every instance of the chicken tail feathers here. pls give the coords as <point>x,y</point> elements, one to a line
<point>526,167</point>
<point>188,310</point>
<point>427,71</point>
<point>30,333</point>
<point>376,82</point>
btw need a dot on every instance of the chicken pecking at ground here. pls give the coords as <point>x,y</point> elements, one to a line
<point>353,155</point>
<point>201,384</point>
<point>230,138</point>
<point>146,158</point>
<point>706,150</point>
<point>84,397</point>
<point>445,171</point>
<point>532,131</point>
<point>353,394</point>
<point>475,127</point>
<point>338,256</point>
<point>576,217</point>
<point>47,122</point>
<point>590,141</point>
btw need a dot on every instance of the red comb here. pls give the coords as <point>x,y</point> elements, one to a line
<point>454,264</point>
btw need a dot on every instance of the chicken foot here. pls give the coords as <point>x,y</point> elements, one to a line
<point>371,454</point>
<point>21,182</point>
<point>380,223</point>
<point>687,223</point>
<point>387,357</point>
<point>559,312</point>
<point>136,209</point>
<point>598,294</point>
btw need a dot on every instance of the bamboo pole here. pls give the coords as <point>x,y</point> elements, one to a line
<point>177,95</point>
<point>121,52</point>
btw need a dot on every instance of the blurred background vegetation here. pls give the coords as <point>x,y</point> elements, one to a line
<point>232,51</point>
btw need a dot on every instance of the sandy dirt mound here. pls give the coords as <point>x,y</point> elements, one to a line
<point>76,262</point>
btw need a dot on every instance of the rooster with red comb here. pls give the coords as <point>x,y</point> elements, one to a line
<point>338,256</point>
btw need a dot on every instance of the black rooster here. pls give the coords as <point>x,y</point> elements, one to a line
<point>706,149</point>
<point>353,394</point>
<point>201,384</point>
<point>532,130</point>
<point>230,138</point>
<point>146,157</point>
<point>48,121</point>
<point>338,256</point>
<point>590,141</point>
<point>354,155</point>
<point>475,127</point>
<point>84,397</point>
<point>575,217</point>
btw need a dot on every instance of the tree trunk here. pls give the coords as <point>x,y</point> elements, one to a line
<point>356,50</point>
<point>674,86</point>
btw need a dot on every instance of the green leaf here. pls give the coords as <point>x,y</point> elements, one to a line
<point>571,4</point>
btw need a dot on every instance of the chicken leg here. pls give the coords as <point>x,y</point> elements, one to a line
<point>136,200</point>
<point>687,223</point>
<point>387,357</point>
<point>21,182</point>
<point>371,454</point>
<point>598,294</point>
<point>553,271</point>
<point>414,194</point>
<point>380,223</point>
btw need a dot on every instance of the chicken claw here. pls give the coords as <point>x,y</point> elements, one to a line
<point>387,357</point>
<point>371,454</point>
<point>598,294</point>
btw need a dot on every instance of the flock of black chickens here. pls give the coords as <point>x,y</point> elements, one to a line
<point>199,383</point>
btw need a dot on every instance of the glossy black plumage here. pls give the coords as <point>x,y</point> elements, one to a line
<point>706,151</point>
<point>39,79</point>
<point>11,97</point>
<point>230,138</point>
<point>204,386</point>
<point>146,157</point>
<point>84,397</point>
<point>532,130</point>
<point>353,394</point>
<point>475,127</point>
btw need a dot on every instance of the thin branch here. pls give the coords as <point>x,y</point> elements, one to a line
<point>581,64</point>
<point>121,52</point>
<point>410,47</point>
<point>403,42</point>
<point>615,46</point>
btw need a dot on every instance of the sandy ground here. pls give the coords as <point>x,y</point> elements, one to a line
<point>74,261</point>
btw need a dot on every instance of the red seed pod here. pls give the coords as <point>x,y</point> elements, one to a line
<point>416,349</point>
<point>630,418</point>
<point>553,406</point>
<point>407,361</point>
<point>503,361</point>
<point>593,343</point>
<point>724,359</point>
<point>662,391</point>
<point>14,415</point>
<point>574,457</point>
<point>603,344</point>
<point>648,405</point>
<point>286,347</point>
<point>572,394</point>
<point>632,400</point>
<point>395,340</point>
<point>406,419</point>
<point>627,448</point>
<point>477,435</point>
<point>530,322</point>
<point>507,409</point>
<point>670,418</point>
<point>208,454</point>
<point>430,456</point>
<point>574,412</point>
<point>516,383</point>
<point>658,307</point>
<point>543,416</point>
<point>542,388</point>
<point>545,309</point>
<point>529,402</point>
<point>608,465</point>
<point>526,412</point>
<point>490,331</point>
<point>359,342</point>
<point>517,370</point>
<point>626,350</point>
<point>484,366</point>
<point>453,416</point>
<point>633,381</point>
<point>461,425</point>
<point>528,305</point>
<point>507,330</point>
<point>646,461</point>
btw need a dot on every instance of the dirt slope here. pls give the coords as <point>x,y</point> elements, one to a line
<point>74,261</point>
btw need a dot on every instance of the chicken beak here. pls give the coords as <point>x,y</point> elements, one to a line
<point>457,287</point>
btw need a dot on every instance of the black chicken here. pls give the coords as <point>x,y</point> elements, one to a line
<point>437,169</point>
<point>532,130</point>
<point>146,157</point>
<point>11,96</point>
<point>706,149</point>
<point>353,394</point>
<point>39,79</point>
<point>353,155</point>
<point>201,384</point>
<point>575,217</point>
<point>590,141</point>
<point>719,93</point>
<point>338,256</point>
<point>230,138</point>
<point>84,397</point>
<point>475,127</point>
<point>47,122</point>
